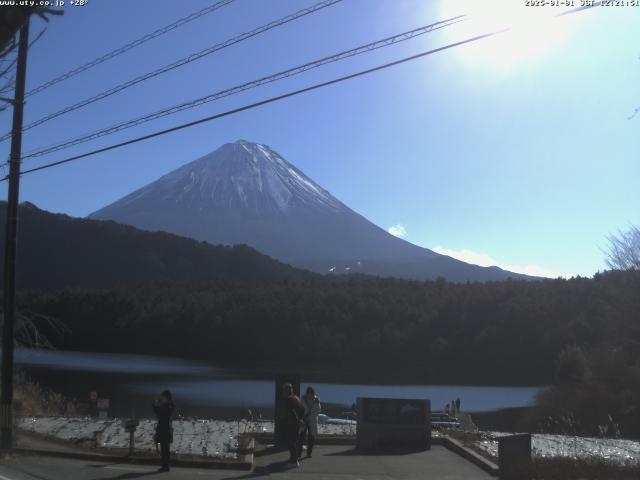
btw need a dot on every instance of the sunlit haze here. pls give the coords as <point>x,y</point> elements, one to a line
<point>527,32</point>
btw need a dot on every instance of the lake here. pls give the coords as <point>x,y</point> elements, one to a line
<point>131,382</point>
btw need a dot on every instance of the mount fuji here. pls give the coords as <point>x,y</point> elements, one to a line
<point>246,193</point>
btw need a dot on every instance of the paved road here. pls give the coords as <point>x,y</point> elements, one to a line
<point>328,462</point>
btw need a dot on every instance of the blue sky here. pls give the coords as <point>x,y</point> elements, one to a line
<point>516,151</point>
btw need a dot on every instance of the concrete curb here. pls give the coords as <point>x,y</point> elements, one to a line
<point>244,462</point>
<point>468,454</point>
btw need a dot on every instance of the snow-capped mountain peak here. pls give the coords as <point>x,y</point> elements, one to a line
<point>246,192</point>
<point>243,175</point>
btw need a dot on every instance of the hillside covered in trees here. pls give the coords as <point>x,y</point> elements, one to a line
<point>129,291</point>
<point>55,251</point>
<point>494,333</point>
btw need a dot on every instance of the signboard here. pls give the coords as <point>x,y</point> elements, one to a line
<point>131,425</point>
<point>93,396</point>
<point>394,411</point>
<point>280,410</point>
<point>393,423</point>
<point>103,404</point>
<point>514,456</point>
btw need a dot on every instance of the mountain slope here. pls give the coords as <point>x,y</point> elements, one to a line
<point>247,193</point>
<point>57,251</point>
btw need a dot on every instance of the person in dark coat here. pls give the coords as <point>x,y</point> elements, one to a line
<point>295,414</point>
<point>458,404</point>
<point>163,408</point>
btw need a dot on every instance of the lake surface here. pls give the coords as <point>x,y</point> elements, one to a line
<point>131,382</point>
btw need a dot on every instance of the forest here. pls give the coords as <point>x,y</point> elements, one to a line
<point>56,250</point>
<point>100,286</point>
<point>579,336</point>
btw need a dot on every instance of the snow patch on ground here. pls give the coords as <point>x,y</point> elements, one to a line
<point>209,438</point>
<point>328,426</point>
<point>204,437</point>
<point>218,438</point>
<point>546,445</point>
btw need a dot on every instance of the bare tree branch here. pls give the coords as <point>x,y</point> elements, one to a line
<point>27,331</point>
<point>10,84</point>
<point>8,48</point>
<point>7,87</point>
<point>9,68</point>
<point>37,37</point>
<point>624,250</point>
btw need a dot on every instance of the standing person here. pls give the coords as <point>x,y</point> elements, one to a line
<point>446,410</point>
<point>458,404</point>
<point>163,408</point>
<point>453,408</point>
<point>312,408</point>
<point>295,414</point>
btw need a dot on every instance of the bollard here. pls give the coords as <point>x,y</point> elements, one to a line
<point>514,457</point>
<point>131,442</point>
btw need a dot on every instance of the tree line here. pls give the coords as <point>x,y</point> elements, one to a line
<point>508,332</point>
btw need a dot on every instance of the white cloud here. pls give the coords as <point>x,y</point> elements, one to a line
<point>398,230</point>
<point>485,260</point>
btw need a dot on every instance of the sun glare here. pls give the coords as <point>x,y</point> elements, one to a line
<point>532,31</point>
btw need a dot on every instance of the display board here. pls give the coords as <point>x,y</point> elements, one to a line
<point>393,423</point>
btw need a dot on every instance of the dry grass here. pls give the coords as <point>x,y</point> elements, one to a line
<point>30,398</point>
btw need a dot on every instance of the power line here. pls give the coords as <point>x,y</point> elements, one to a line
<point>125,48</point>
<point>277,98</point>
<point>401,37</point>
<point>179,63</point>
<point>250,85</point>
<point>260,103</point>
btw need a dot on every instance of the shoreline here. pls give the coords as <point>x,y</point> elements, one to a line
<point>160,366</point>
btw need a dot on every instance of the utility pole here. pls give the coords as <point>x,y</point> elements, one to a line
<point>6,400</point>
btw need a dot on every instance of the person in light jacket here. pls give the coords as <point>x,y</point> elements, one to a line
<point>312,409</point>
